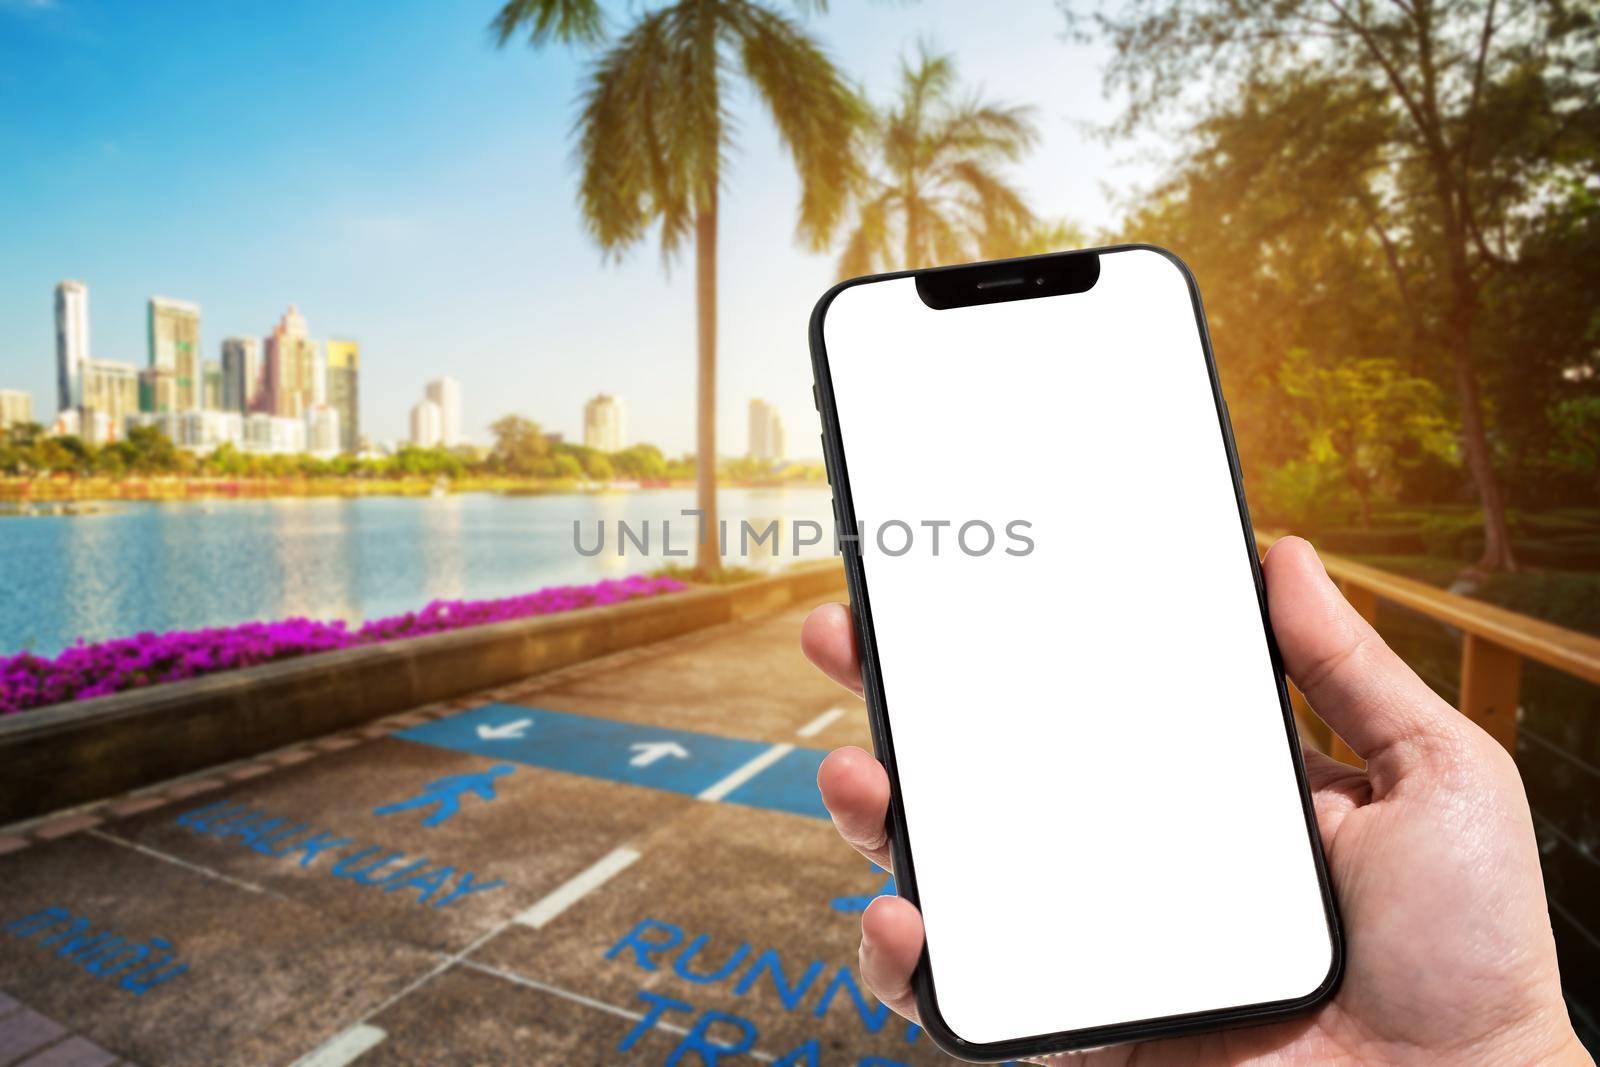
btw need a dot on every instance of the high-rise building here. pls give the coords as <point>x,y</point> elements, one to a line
<point>72,342</point>
<point>344,391</point>
<point>96,428</point>
<point>110,389</point>
<point>69,423</point>
<point>322,431</point>
<point>158,391</point>
<point>211,385</point>
<point>291,367</point>
<point>446,392</point>
<point>241,374</point>
<point>605,424</point>
<point>766,432</point>
<point>174,330</point>
<point>269,433</point>
<point>427,424</point>
<point>16,408</point>
<point>195,431</point>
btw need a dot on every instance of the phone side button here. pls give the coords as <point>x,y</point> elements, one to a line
<point>816,397</point>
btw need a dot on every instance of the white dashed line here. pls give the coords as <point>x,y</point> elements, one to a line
<point>747,772</point>
<point>345,1048</point>
<point>821,722</point>
<point>197,868</point>
<point>577,887</point>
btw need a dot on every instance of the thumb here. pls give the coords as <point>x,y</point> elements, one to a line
<point>1354,681</point>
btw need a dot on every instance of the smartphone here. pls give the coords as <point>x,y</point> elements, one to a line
<point>1098,799</point>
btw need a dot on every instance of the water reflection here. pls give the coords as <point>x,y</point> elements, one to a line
<point>150,566</point>
<point>444,554</point>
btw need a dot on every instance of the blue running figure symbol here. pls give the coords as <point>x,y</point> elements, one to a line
<point>446,794</point>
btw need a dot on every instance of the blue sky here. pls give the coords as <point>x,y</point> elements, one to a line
<point>407,184</point>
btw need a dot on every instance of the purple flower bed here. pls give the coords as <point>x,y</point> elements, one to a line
<point>92,670</point>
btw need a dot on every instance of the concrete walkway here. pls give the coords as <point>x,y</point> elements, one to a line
<point>623,862</point>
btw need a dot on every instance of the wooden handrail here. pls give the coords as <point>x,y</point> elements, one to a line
<point>1494,644</point>
<point>1568,651</point>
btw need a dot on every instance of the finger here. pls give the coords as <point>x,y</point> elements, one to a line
<point>1353,680</point>
<point>891,944</point>
<point>1336,790</point>
<point>829,640</point>
<point>855,790</point>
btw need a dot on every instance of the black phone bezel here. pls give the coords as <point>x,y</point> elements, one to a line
<point>932,1020</point>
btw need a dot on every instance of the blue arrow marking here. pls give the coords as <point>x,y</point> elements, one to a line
<point>630,752</point>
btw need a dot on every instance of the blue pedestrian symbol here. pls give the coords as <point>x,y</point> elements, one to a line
<point>445,794</point>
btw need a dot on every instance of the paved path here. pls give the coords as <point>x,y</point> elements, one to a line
<point>623,862</point>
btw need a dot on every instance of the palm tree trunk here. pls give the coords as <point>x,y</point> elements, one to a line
<point>913,235</point>
<point>707,559</point>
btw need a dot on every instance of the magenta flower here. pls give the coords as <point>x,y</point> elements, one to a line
<point>90,670</point>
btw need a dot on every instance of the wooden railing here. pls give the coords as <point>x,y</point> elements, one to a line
<point>1494,644</point>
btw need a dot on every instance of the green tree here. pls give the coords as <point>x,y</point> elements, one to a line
<point>1261,207</point>
<point>1542,346</point>
<point>935,191</point>
<point>654,135</point>
<point>598,467</point>
<point>154,453</point>
<point>519,445</point>
<point>1368,417</point>
<point>1577,425</point>
<point>62,454</point>
<point>567,467</point>
<point>640,461</point>
<point>1478,107</point>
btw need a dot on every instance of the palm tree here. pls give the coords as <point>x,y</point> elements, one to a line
<point>653,135</point>
<point>937,194</point>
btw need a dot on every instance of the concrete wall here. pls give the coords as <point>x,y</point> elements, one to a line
<point>70,754</point>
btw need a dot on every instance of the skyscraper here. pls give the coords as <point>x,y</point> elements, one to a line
<point>16,407</point>
<point>344,392</point>
<point>605,424</point>
<point>291,367</point>
<point>174,330</point>
<point>241,374</point>
<point>446,392</point>
<point>72,342</point>
<point>211,388</point>
<point>323,437</point>
<point>158,391</point>
<point>110,389</point>
<point>766,432</point>
<point>426,424</point>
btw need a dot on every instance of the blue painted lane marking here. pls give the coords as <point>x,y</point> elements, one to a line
<point>788,785</point>
<point>677,761</point>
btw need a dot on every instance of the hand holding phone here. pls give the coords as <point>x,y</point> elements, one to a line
<point>1096,805</point>
<point>1431,847</point>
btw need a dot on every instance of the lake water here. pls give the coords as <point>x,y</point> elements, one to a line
<point>166,566</point>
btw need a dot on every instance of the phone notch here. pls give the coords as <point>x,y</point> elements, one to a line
<point>1013,279</point>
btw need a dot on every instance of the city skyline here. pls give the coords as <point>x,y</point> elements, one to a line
<point>421,233</point>
<point>284,377</point>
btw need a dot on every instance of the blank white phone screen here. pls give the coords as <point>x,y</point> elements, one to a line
<point>1099,791</point>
